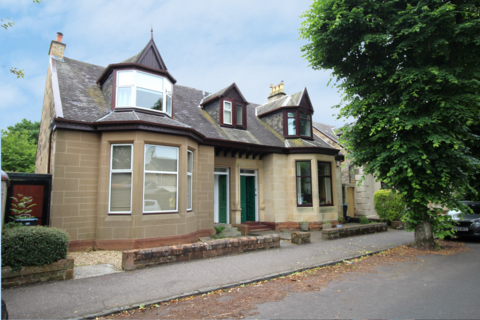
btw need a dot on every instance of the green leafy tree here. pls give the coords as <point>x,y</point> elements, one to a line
<point>32,129</point>
<point>410,74</point>
<point>18,151</point>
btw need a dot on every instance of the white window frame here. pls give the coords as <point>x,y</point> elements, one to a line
<point>190,174</point>
<point>163,172</point>
<point>225,110</point>
<point>120,171</point>
<point>133,87</point>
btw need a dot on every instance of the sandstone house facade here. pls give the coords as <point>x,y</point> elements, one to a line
<point>138,160</point>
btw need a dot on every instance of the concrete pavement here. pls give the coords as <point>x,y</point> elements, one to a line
<point>80,297</point>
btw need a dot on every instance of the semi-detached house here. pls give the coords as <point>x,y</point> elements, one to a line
<point>139,161</point>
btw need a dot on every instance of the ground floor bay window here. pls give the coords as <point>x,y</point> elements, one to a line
<point>325,183</point>
<point>304,184</point>
<point>160,194</point>
<point>121,162</point>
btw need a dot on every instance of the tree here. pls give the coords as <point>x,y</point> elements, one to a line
<point>18,152</point>
<point>410,74</point>
<point>32,129</point>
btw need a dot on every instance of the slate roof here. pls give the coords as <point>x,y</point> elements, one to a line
<point>82,100</point>
<point>286,101</point>
<point>326,129</point>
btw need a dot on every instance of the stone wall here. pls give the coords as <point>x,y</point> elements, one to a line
<point>134,259</point>
<point>60,270</point>
<point>213,109</point>
<point>275,121</point>
<point>364,205</point>
<point>345,232</point>
<point>75,183</point>
<point>48,113</point>
<point>107,91</point>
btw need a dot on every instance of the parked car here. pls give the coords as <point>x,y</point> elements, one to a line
<point>469,224</point>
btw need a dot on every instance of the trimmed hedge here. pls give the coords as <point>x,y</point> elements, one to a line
<point>388,205</point>
<point>33,246</point>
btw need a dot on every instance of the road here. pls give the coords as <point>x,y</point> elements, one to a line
<point>440,287</point>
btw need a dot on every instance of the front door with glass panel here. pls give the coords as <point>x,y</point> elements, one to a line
<point>221,195</point>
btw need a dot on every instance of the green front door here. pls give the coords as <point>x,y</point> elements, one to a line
<point>247,198</point>
<point>222,198</point>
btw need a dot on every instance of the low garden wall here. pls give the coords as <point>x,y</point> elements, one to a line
<point>134,259</point>
<point>60,270</point>
<point>344,232</point>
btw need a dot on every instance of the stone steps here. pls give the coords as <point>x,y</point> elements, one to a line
<point>229,231</point>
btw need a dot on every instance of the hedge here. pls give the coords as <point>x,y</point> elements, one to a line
<point>388,205</point>
<point>33,246</point>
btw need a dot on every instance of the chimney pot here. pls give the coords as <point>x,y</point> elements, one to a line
<point>276,92</point>
<point>59,37</point>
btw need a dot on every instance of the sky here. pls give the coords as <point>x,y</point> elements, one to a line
<point>205,44</point>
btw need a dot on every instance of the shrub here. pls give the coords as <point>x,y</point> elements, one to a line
<point>388,205</point>
<point>33,246</point>
<point>363,220</point>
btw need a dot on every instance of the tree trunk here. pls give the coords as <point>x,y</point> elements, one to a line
<point>424,236</point>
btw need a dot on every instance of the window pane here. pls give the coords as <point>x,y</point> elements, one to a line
<point>220,169</point>
<point>160,192</point>
<point>324,169</point>
<point>189,192</point>
<point>304,190</point>
<point>122,157</point>
<point>291,114</point>
<point>304,116</point>
<point>125,78</point>
<point>303,168</point>
<point>169,104</point>
<point>148,81</point>
<point>124,97</point>
<point>325,190</point>
<point>305,127</point>
<point>149,99</point>
<point>168,96</point>
<point>292,128</point>
<point>190,162</point>
<point>159,158</point>
<point>227,106</point>
<point>121,192</point>
<point>239,115</point>
<point>227,117</point>
<point>247,171</point>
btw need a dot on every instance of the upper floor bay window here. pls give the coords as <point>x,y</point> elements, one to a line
<point>227,112</point>
<point>143,90</point>
<point>189,180</point>
<point>297,124</point>
<point>160,192</point>
<point>233,114</point>
<point>121,163</point>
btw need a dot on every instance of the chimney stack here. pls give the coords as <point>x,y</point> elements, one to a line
<point>59,37</point>
<point>276,92</point>
<point>57,48</point>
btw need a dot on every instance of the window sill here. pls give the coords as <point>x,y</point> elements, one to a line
<point>163,212</point>
<point>327,205</point>
<point>304,205</point>
<point>119,213</point>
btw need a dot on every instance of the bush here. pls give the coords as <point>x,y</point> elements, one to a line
<point>33,246</point>
<point>363,220</point>
<point>388,205</point>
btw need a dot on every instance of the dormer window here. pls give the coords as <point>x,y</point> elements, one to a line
<point>297,124</point>
<point>233,114</point>
<point>143,90</point>
<point>227,112</point>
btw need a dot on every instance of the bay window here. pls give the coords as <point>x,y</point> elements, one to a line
<point>233,114</point>
<point>304,184</point>
<point>121,162</point>
<point>189,179</point>
<point>325,183</point>
<point>297,124</point>
<point>143,90</point>
<point>160,192</point>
